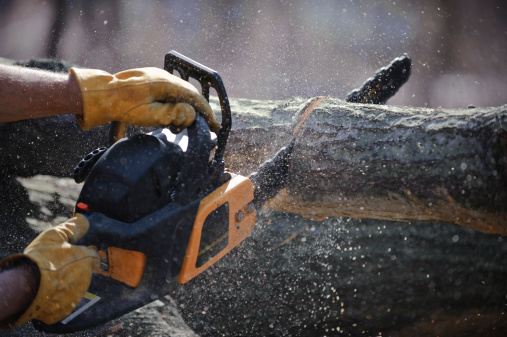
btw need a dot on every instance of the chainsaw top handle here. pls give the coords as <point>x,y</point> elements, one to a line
<point>208,78</point>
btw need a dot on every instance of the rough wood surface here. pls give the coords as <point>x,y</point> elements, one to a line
<point>349,277</point>
<point>382,162</point>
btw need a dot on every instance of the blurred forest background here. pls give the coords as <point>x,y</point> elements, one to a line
<point>280,49</point>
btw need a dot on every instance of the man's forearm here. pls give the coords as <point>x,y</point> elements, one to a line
<point>17,287</point>
<point>29,93</point>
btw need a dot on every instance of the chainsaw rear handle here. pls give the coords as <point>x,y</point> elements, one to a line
<point>208,78</point>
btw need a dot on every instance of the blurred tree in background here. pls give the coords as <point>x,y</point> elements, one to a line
<point>280,49</point>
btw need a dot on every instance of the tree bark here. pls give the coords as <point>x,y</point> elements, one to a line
<point>381,162</point>
<point>351,160</point>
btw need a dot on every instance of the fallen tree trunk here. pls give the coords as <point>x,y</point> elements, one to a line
<point>381,162</point>
<point>353,160</point>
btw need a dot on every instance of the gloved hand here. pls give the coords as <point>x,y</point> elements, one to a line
<point>65,270</point>
<point>142,97</point>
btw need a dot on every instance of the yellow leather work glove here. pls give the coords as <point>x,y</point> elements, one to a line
<point>142,97</point>
<point>65,270</point>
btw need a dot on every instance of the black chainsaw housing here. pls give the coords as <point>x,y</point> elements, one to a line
<point>134,178</point>
<point>143,194</point>
<point>143,173</point>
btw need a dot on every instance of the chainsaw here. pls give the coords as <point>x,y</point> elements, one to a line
<point>162,209</point>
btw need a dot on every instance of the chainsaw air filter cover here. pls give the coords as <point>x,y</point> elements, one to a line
<point>142,173</point>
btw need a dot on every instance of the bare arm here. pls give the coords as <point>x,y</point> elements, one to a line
<point>17,288</point>
<point>28,93</point>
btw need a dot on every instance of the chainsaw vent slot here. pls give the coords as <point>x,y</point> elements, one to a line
<point>214,235</point>
<point>84,167</point>
<point>156,183</point>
